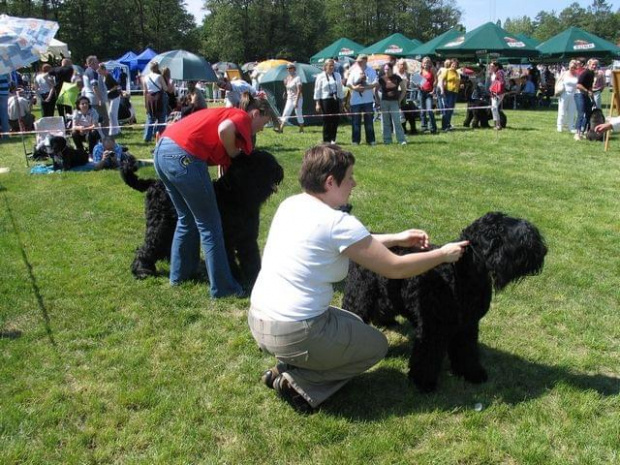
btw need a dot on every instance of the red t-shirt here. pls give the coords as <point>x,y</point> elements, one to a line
<point>198,134</point>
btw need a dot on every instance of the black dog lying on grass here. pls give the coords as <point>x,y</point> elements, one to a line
<point>446,304</point>
<point>596,118</point>
<point>240,192</point>
<point>63,157</point>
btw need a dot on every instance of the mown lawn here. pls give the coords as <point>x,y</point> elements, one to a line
<point>96,367</point>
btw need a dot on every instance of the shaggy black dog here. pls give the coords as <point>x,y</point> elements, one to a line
<point>445,304</point>
<point>63,156</point>
<point>596,118</point>
<point>479,117</point>
<point>240,192</point>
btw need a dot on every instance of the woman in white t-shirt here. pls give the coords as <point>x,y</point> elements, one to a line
<point>294,98</point>
<point>567,110</point>
<point>320,347</point>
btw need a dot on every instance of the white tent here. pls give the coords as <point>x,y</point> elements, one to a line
<point>56,49</point>
<point>114,65</point>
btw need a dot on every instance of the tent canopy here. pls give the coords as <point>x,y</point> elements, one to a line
<point>143,58</point>
<point>56,49</point>
<point>116,67</point>
<point>343,47</point>
<point>272,83</point>
<point>395,45</point>
<point>574,43</point>
<point>488,39</point>
<point>428,48</point>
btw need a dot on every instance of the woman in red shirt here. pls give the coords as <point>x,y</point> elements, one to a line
<point>427,87</point>
<point>206,137</point>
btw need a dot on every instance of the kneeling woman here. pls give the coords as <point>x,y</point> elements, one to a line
<point>206,137</point>
<point>320,347</point>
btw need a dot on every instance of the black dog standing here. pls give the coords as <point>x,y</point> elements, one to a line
<point>240,192</point>
<point>446,304</point>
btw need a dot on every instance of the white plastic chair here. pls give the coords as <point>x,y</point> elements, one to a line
<point>44,127</point>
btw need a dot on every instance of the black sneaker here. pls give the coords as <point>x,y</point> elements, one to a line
<point>269,376</point>
<point>289,395</point>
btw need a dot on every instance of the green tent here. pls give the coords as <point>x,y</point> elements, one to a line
<point>428,48</point>
<point>396,45</point>
<point>485,41</point>
<point>528,40</point>
<point>576,43</point>
<point>272,82</point>
<point>341,48</point>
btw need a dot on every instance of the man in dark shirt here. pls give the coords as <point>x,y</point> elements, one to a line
<point>583,97</point>
<point>62,74</point>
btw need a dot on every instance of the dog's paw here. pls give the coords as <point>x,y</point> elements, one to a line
<point>423,385</point>
<point>477,376</point>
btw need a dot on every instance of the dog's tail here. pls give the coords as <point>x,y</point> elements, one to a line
<point>129,166</point>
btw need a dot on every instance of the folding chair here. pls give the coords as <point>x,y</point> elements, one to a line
<point>44,127</point>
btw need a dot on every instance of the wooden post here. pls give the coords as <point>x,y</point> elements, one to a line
<point>615,102</point>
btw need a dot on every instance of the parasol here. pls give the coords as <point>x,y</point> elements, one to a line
<point>23,40</point>
<point>186,66</point>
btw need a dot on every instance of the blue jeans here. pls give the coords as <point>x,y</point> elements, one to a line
<point>449,100</point>
<point>154,123</point>
<point>427,116</point>
<point>584,111</point>
<point>356,122</point>
<point>4,115</point>
<point>188,184</point>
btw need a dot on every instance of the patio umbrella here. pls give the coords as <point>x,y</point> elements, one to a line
<point>68,94</point>
<point>23,40</point>
<point>378,60</point>
<point>249,66</point>
<point>268,64</point>
<point>575,42</point>
<point>306,72</point>
<point>56,49</point>
<point>487,40</point>
<point>396,44</point>
<point>429,48</point>
<point>343,47</point>
<point>223,66</point>
<point>186,66</point>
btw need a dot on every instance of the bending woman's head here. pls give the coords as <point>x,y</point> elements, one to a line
<point>322,161</point>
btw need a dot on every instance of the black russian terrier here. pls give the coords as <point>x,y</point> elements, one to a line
<point>63,156</point>
<point>240,192</point>
<point>446,304</point>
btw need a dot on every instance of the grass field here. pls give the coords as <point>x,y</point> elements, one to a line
<point>96,367</point>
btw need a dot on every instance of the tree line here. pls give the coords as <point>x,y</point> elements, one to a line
<point>247,30</point>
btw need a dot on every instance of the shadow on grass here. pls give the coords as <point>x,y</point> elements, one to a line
<point>512,379</point>
<point>10,334</point>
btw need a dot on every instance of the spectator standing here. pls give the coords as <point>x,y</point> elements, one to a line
<point>451,84</point>
<point>294,98</point>
<point>169,95</point>
<point>328,98</point>
<point>567,109</point>
<point>113,94</point>
<point>45,90</point>
<point>597,88</point>
<point>103,106</point>
<point>393,91</point>
<point>19,110</point>
<point>441,80</point>
<point>583,97</point>
<point>4,105</point>
<point>407,105</point>
<point>427,89</point>
<point>362,81</point>
<point>90,81</point>
<point>62,74</point>
<point>497,90</point>
<point>153,88</point>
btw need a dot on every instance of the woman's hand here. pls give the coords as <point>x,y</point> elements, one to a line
<point>317,107</point>
<point>603,128</point>
<point>412,238</point>
<point>453,251</point>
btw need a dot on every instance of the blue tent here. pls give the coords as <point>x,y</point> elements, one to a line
<point>145,57</point>
<point>129,59</point>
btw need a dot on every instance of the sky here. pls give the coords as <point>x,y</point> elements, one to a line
<point>476,12</point>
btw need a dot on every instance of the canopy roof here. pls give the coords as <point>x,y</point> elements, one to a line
<point>343,47</point>
<point>488,39</point>
<point>575,42</point>
<point>396,45</point>
<point>428,48</point>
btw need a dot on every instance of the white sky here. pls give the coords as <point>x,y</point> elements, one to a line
<point>475,12</point>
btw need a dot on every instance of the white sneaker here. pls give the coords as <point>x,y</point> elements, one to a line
<point>559,129</point>
<point>403,142</point>
<point>573,131</point>
<point>577,136</point>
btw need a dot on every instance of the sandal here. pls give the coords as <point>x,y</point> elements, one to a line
<point>289,395</point>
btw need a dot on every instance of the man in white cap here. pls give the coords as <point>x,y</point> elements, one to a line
<point>362,81</point>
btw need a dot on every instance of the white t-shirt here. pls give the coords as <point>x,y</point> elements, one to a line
<point>355,74</point>
<point>302,258</point>
<point>291,87</point>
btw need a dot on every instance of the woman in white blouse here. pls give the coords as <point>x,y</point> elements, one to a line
<point>294,98</point>
<point>328,95</point>
<point>567,110</point>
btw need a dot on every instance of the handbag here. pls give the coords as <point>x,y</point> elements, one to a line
<point>498,84</point>
<point>559,85</point>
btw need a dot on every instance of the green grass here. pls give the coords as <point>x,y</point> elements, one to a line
<point>97,367</point>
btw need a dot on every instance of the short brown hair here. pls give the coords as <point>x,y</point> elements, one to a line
<point>322,161</point>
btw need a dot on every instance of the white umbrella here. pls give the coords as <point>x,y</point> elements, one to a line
<point>22,40</point>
